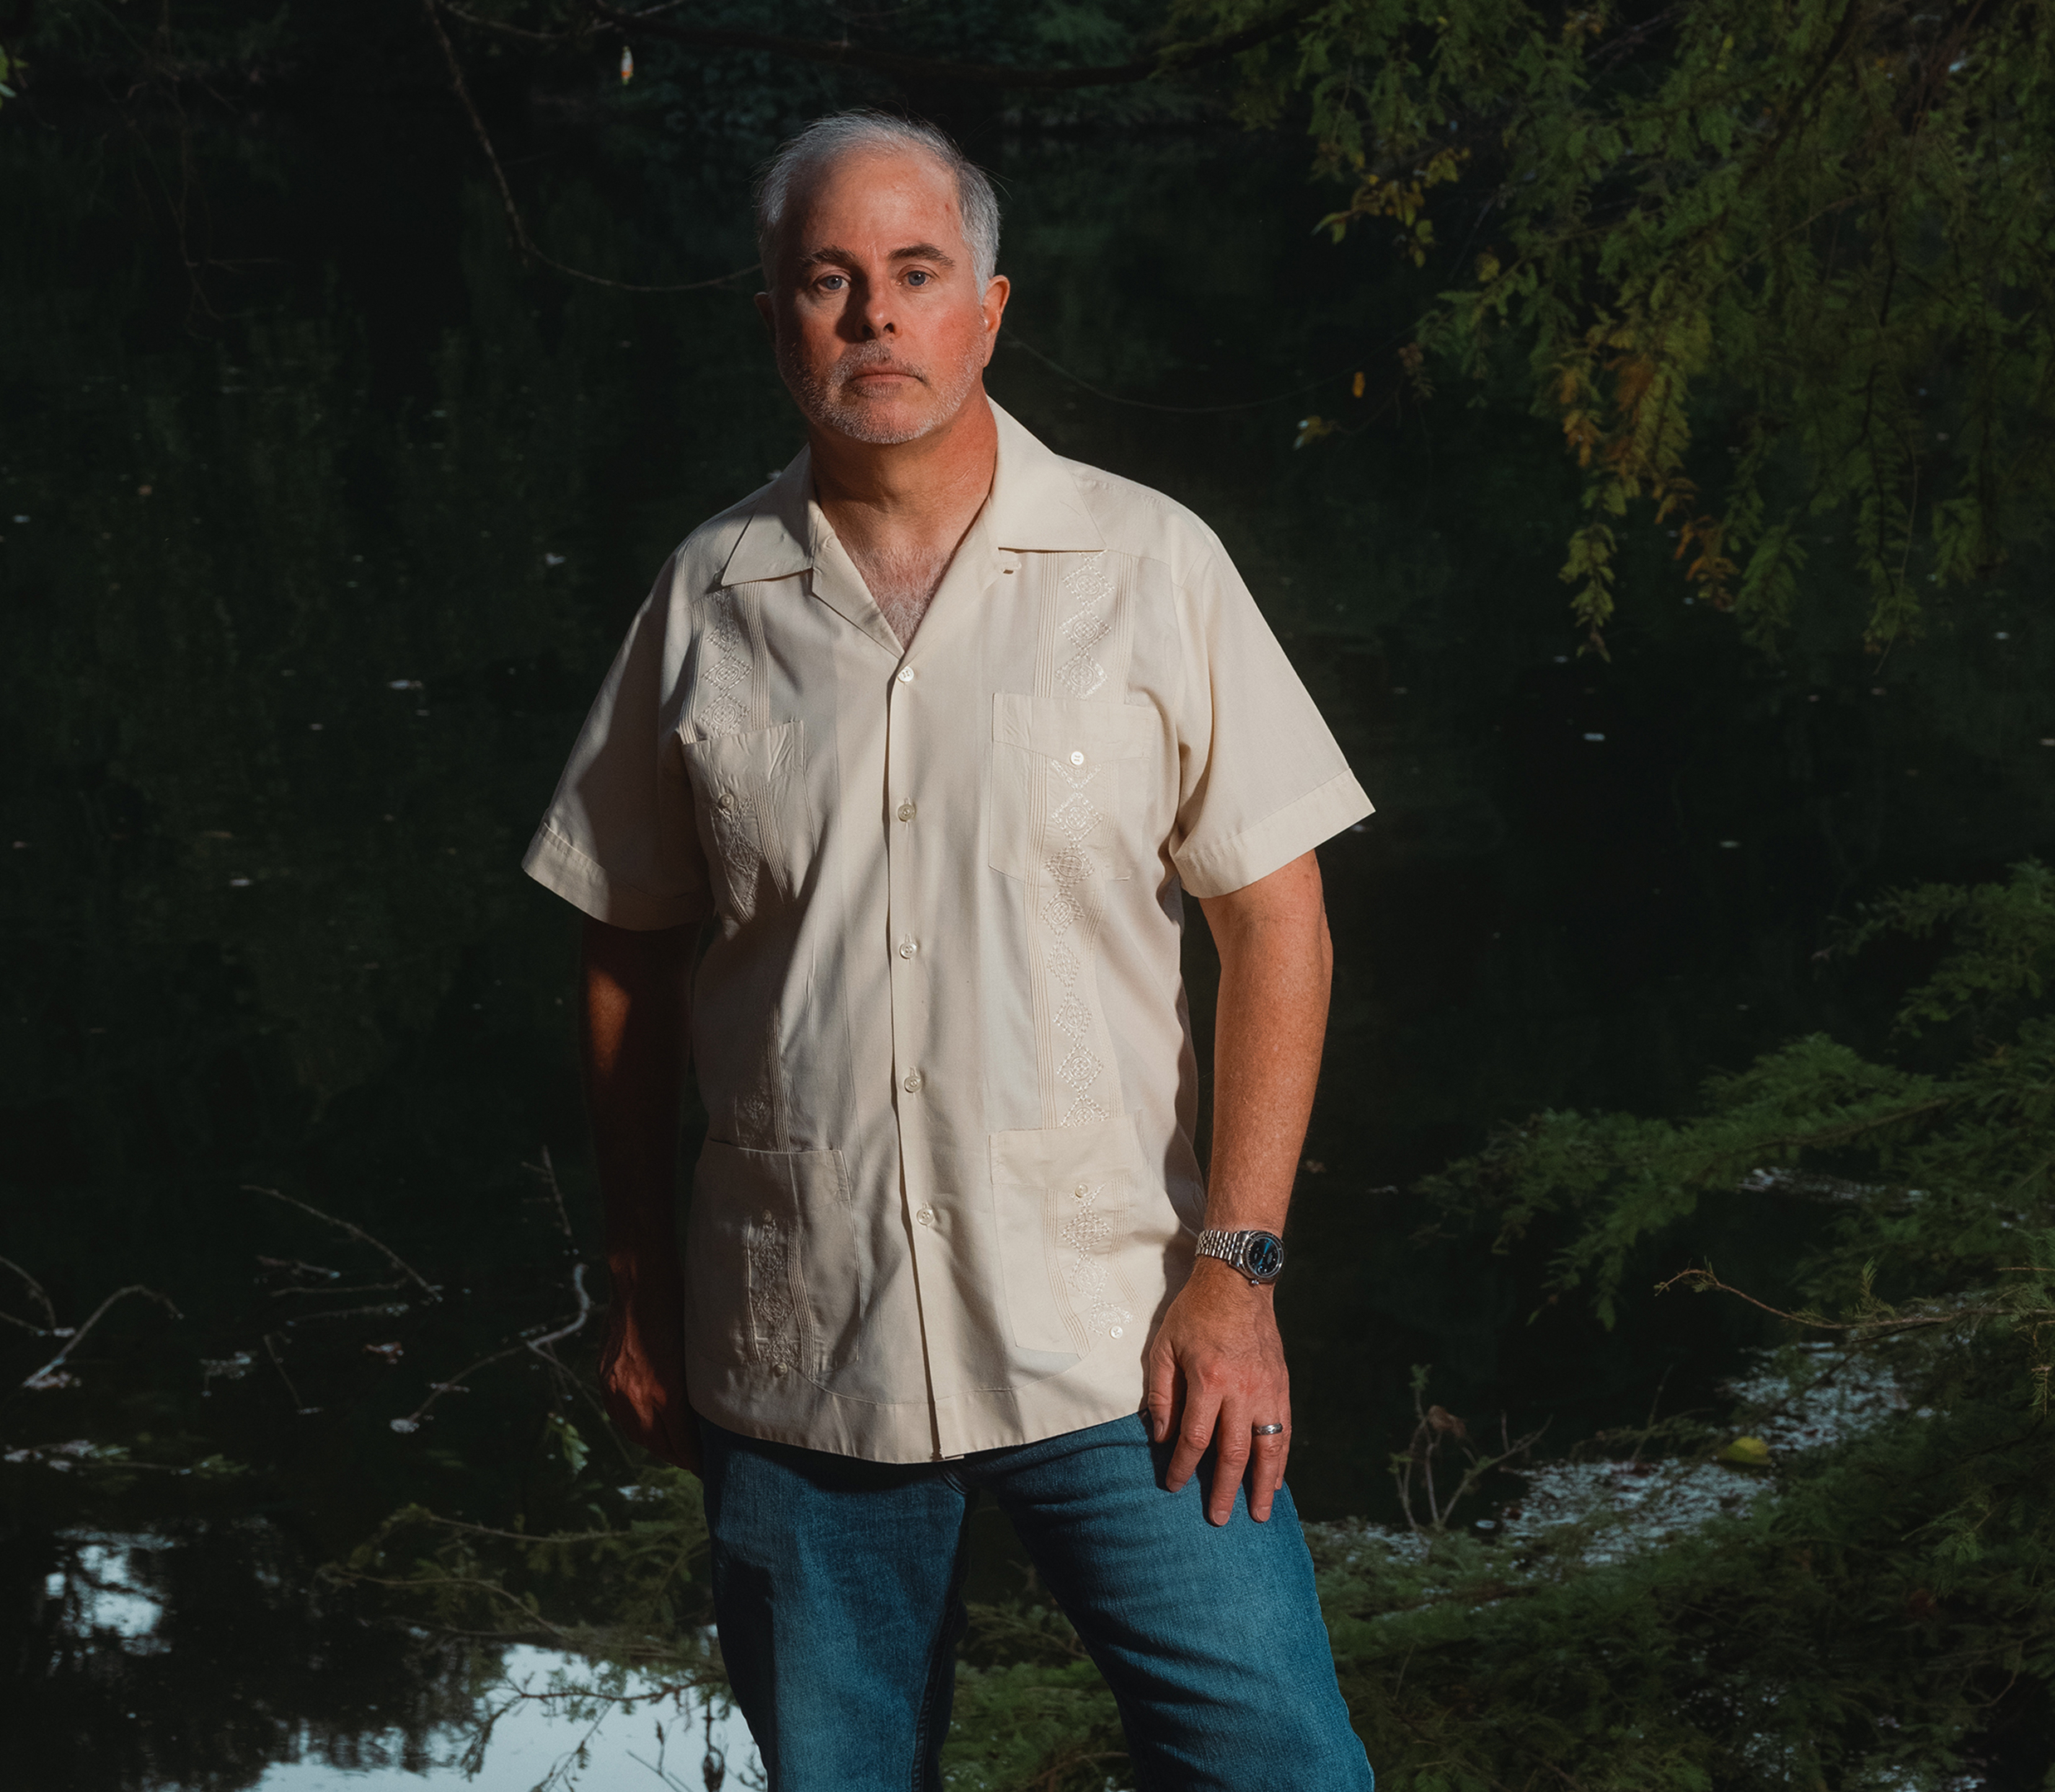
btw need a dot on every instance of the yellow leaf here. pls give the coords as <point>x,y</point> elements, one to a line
<point>1355,386</point>
<point>1746,1452</point>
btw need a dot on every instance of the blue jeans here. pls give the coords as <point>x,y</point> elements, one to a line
<point>838,1587</point>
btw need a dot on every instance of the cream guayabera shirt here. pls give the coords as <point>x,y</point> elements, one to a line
<point>949,1186</point>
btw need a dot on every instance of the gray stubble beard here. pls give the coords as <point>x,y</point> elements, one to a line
<point>825,402</point>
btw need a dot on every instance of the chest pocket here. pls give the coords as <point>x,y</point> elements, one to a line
<point>749,793</point>
<point>1071,777</point>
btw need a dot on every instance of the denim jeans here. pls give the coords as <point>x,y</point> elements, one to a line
<point>838,1588</point>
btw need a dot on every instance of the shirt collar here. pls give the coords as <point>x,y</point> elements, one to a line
<point>1034,507</point>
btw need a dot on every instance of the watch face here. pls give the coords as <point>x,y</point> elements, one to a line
<point>1263,1256</point>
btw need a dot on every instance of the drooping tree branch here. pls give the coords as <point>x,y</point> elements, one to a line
<point>1173,59</point>
<point>516,224</point>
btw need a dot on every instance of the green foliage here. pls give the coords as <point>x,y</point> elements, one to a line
<point>1962,1160</point>
<point>1825,221</point>
<point>1826,1639</point>
<point>1907,1572</point>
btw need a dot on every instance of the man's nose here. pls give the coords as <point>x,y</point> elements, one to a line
<point>876,315</point>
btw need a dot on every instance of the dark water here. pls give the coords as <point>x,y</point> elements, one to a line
<point>313,554</point>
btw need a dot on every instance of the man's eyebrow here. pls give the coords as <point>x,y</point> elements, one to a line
<point>830,255</point>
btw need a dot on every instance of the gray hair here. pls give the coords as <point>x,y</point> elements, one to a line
<point>827,139</point>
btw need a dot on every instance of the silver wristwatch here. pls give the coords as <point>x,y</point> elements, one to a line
<point>1258,1255</point>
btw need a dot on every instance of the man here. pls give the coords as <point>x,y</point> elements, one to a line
<point>936,729</point>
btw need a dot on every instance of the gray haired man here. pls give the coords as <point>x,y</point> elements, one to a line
<point>932,736</point>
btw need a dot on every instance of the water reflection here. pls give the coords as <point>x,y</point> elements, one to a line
<point>116,1607</point>
<point>302,614</point>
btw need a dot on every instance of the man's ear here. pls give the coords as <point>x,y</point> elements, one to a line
<point>762,303</point>
<point>995,294</point>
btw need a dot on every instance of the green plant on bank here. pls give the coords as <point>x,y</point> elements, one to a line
<point>1882,1617</point>
<point>1766,259</point>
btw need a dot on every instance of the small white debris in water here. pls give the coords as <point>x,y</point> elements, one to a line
<point>21,519</point>
<point>1729,845</point>
<point>403,684</point>
<point>2002,635</point>
<point>238,883</point>
<point>552,559</point>
<point>314,727</point>
<point>1594,737</point>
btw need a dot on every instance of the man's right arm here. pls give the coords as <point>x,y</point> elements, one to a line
<point>636,1010</point>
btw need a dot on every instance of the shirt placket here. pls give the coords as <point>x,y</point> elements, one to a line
<point>910,744</point>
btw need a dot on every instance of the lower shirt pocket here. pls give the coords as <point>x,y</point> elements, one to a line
<point>771,1260</point>
<point>1062,1201</point>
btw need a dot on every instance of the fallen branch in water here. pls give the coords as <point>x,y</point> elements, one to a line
<point>47,1376</point>
<point>539,1346</point>
<point>392,1256</point>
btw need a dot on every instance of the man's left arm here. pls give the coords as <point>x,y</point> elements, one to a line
<point>1216,1363</point>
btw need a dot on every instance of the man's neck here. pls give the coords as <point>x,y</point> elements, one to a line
<point>902,508</point>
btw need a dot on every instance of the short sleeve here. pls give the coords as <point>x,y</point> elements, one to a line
<point>1261,780</point>
<point>619,840</point>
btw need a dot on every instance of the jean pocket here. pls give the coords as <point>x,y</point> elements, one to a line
<point>1070,777</point>
<point>1063,1198</point>
<point>771,1260</point>
<point>749,793</point>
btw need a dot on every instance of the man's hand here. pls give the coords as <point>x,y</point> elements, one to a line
<point>1218,1348</point>
<point>637,1021</point>
<point>642,1370</point>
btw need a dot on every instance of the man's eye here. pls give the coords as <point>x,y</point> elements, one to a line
<point>919,277</point>
<point>832,283</point>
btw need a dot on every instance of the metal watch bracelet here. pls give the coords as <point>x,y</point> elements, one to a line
<point>1258,1255</point>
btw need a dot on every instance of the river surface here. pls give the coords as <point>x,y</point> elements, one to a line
<point>319,519</point>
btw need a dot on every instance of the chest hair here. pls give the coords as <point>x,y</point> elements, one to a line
<point>902,583</point>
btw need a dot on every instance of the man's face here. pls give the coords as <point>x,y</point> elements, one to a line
<point>881,332</point>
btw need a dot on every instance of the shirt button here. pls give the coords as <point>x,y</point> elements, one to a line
<point>926,1216</point>
<point>1077,759</point>
<point>727,802</point>
<point>907,947</point>
<point>914,1083</point>
<point>908,809</point>
<point>906,674</point>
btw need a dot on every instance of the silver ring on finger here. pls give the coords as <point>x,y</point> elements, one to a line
<point>1266,1431</point>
